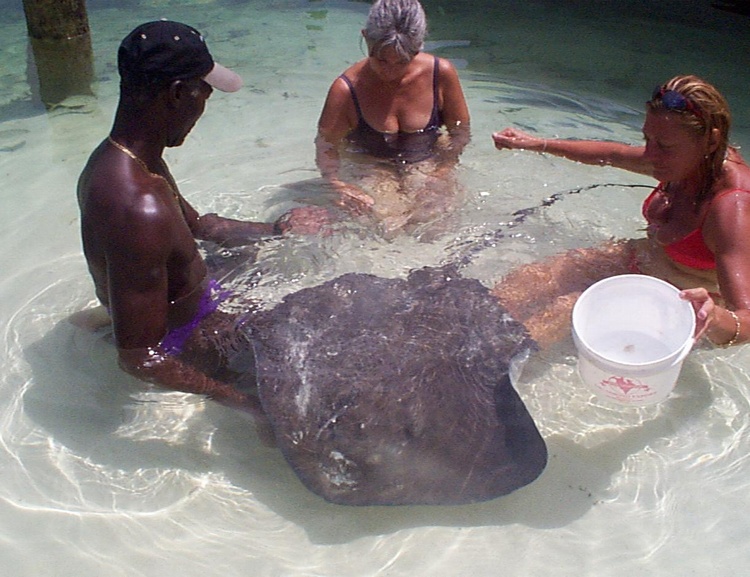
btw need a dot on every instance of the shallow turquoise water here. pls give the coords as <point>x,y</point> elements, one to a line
<point>101,476</point>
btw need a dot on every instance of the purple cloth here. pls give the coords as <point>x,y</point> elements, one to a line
<point>212,297</point>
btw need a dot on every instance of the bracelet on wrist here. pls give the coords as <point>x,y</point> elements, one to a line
<point>737,329</point>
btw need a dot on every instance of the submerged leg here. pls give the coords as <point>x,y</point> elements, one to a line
<point>541,295</point>
<point>552,324</point>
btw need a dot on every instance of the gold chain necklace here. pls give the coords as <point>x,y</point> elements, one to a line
<point>144,166</point>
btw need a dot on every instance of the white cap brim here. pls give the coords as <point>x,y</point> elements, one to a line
<point>223,79</point>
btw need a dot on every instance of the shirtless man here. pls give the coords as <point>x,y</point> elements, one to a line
<point>139,232</point>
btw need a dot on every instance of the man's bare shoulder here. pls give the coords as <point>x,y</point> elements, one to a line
<point>118,199</point>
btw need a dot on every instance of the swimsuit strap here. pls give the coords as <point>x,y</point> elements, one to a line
<point>354,97</point>
<point>731,190</point>
<point>726,192</point>
<point>715,198</point>
<point>661,187</point>
<point>435,117</point>
<point>691,250</point>
<point>647,201</point>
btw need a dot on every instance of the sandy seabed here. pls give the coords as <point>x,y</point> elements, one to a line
<point>102,476</point>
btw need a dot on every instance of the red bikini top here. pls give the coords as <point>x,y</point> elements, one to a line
<point>690,250</point>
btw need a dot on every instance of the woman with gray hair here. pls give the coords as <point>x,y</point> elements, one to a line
<point>400,116</point>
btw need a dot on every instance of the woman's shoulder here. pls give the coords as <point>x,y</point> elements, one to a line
<point>736,175</point>
<point>446,68</point>
<point>341,86</point>
<point>353,72</point>
<point>723,207</point>
<point>428,60</point>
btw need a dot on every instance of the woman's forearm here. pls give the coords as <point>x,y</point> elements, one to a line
<point>728,328</point>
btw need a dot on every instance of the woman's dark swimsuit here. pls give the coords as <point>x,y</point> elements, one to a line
<point>690,250</point>
<point>402,147</point>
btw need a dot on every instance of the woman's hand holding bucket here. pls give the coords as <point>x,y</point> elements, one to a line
<point>704,307</point>
<point>725,331</point>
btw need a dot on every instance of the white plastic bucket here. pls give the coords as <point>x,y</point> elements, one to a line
<point>632,333</point>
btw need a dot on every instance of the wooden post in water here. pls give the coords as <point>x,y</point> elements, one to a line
<point>60,43</point>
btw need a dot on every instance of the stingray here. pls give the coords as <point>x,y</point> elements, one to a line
<point>397,391</point>
<point>400,391</point>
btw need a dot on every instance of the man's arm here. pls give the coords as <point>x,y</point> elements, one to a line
<point>226,231</point>
<point>230,232</point>
<point>154,366</point>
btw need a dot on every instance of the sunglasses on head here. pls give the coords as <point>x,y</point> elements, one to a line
<point>673,100</point>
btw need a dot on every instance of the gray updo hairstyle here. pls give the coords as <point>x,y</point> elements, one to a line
<point>401,24</point>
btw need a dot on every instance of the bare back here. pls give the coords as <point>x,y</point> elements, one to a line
<point>139,247</point>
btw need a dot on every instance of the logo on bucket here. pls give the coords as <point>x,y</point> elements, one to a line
<point>625,388</point>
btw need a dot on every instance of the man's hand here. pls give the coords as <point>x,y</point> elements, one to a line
<point>304,220</point>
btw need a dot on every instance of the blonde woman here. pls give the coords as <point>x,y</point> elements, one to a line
<point>698,217</point>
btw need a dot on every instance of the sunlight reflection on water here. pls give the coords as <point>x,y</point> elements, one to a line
<point>101,475</point>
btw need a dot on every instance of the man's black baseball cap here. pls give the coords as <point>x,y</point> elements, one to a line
<point>162,51</point>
